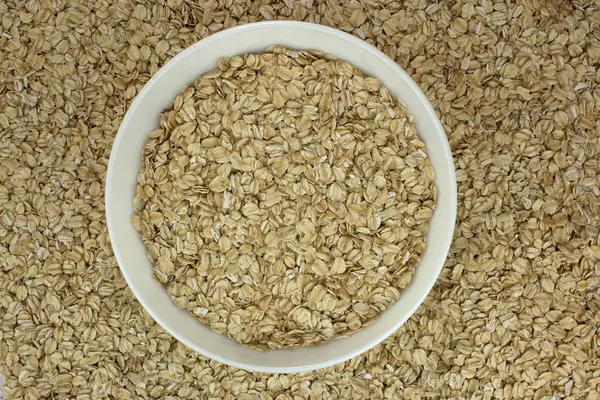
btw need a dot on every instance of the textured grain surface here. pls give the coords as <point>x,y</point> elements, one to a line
<point>284,198</point>
<point>516,311</point>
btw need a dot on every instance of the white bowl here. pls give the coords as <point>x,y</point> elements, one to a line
<point>142,117</point>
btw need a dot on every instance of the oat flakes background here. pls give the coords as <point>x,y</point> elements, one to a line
<point>516,311</point>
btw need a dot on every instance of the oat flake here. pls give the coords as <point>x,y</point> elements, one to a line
<point>515,312</point>
<point>286,194</point>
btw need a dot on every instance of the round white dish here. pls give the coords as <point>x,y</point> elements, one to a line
<point>142,117</point>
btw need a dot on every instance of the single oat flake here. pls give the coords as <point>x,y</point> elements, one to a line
<point>284,199</point>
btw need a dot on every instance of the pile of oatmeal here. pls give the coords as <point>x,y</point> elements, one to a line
<point>284,199</point>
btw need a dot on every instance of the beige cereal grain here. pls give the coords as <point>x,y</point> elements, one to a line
<point>280,192</point>
<point>518,301</point>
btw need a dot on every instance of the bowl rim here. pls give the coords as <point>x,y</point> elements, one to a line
<point>444,243</point>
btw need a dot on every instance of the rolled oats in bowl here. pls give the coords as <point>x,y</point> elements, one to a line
<point>284,199</point>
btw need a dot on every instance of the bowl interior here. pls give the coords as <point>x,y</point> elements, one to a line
<point>142,117</point>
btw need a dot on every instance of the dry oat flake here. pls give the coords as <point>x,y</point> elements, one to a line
<point>284,199</point>
<point>515,313</point>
